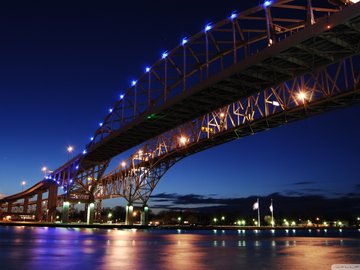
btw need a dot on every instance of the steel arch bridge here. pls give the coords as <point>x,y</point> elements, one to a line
<point>275,63</point>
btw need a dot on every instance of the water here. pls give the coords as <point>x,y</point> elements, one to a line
<point>62,248</point>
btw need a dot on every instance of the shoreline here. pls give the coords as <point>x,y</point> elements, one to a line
<point>168,227</point>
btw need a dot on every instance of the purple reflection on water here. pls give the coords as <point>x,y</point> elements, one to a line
<point>61,248</point>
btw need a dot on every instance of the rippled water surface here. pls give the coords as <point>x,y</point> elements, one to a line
<point>61,248</point>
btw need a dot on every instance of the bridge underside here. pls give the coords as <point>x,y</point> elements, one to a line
<point>316,46</point>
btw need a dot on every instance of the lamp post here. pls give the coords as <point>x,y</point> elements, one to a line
<point>23,183</point>
<point>69,149</point>
<point>44,170</point>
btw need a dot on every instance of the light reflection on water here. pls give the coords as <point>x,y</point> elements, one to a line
<point>61,248</point>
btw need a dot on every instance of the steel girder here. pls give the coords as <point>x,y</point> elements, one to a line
<point>239,56</point>
<point>335,86</point>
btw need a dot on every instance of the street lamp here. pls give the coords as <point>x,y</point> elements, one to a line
<point>44,170</point>
<point>23,183</point>
<point>69,149</point>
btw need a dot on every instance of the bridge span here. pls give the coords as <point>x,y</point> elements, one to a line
<point>258,69</point>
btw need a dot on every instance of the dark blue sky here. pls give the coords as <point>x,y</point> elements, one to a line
<point>64,63</point>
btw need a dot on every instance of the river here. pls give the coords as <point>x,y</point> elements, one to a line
<point>71,248</point>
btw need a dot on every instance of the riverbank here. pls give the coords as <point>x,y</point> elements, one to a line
<point>165,227</point>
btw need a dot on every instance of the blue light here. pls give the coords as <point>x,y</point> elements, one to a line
<point>233,15</point>
<point>267,3</point>
<point>100,124</point>
<point>110,110</point>
<point>121,96</point>
<point>147,69</point>
<point>71,181</point>
<point>92,138</point>
<point>184,41</point>
<point>164,55</point>
<point>58,182</point>
<point>208,27</point>
<point>77,167</point>
<point>133,83</point>
<point>84,152</point>
<point>62,187</point>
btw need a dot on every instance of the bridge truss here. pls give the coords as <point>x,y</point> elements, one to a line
<point>332,87</point>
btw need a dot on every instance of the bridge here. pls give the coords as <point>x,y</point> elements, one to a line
<point>267,66</point>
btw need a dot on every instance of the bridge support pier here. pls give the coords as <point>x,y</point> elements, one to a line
<point>90,213</point>
<point>9,207</point>
<point>38,216</point>
<point>52,203</point>
<point>65,213</point>
<point>26,205</point>
<point>144,219</point>
<point>129,215</point>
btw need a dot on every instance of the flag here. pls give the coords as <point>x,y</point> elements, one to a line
<point>271,207</point>
<point>256,206</point>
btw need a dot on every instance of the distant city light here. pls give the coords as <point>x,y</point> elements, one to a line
<point>267,3</point>
<point>184,41</point>
<point>208,27</point>
<point>164,55</point>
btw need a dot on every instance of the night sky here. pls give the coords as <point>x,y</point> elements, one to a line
<point>64,63</point>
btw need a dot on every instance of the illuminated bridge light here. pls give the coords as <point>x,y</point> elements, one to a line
<point>123,164</point>
<point>147,69</point>
<point>233,15</point>
<point>100,124</point>
<point>110,110</point>
<point>164,55</point>
<point>121,96</point>
<point>133,82</point>
<point>267,3</point>
<point>183,140</point>
<point>91,138</point>
<point>184,41</point>
<point>301,95</point>
<point>208,27</point>
<point>77,167</point>
<point>84,152</point>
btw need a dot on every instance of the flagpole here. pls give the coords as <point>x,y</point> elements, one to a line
<point>258,212</point>
<point>272,214</point>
